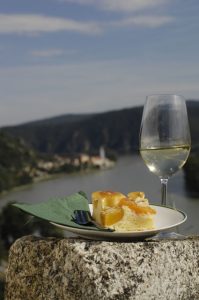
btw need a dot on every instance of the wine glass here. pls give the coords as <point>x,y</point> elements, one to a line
<point>165,141</point>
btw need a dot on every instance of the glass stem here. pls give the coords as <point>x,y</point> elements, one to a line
<point>164,182</point>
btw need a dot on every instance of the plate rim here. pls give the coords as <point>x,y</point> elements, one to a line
<point>124,234</point>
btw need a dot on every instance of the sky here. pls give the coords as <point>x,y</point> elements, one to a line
<point>80,56</point>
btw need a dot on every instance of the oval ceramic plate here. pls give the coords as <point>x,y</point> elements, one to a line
<point>165,219</point>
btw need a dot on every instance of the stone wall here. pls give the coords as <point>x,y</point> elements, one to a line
<point>77,269</point>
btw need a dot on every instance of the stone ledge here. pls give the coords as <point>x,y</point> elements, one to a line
<point>77,269</point>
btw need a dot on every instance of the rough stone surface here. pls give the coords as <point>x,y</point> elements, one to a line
<point>77,269</point>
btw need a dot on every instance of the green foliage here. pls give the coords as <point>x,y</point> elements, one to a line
<point>193,113</point>
<point>68,168</point>
<point>16,159</point>
<point>2,286</point>
<point>191,170</point>
<point>14,224</point>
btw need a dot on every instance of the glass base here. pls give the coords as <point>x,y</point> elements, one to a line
<point>168,236</point>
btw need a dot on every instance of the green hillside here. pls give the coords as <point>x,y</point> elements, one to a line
<point>117,131</point>
<point>16,159</point>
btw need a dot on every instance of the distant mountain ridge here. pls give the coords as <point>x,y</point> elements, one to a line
<point>70,118</point>
<point>116,130</point>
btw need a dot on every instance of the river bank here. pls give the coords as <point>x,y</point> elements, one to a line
<point>51,177</point>
<point>129,174</point>
<point>49,168</point>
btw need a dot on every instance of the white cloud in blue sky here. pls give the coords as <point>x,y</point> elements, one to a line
<point>77,56</point>
<point>30,24</point>
<point>35,24</point>
<point>119,5</point>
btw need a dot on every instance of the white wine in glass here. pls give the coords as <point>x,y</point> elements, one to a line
<point>165,137</point>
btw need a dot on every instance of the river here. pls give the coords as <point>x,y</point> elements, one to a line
<point>129,174</point>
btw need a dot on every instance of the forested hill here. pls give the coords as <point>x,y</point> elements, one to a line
<point>116,130</point>
<point>193,113</point>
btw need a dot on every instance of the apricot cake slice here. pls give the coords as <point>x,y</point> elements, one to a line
<point>123,213</point>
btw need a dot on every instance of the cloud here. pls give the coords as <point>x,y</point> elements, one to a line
<point>47,53</point>
<point>30,24</point>
<point>144,21</point>
<point>128,5</point>
<point>34,24</point>
<point>120,5</point>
